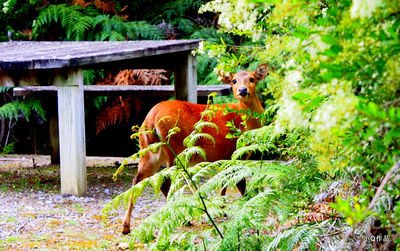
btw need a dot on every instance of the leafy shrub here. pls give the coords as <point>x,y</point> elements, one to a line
<point>334,72</point>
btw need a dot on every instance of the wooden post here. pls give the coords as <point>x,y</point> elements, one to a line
<point>71,122</point>
<point>186,79</point>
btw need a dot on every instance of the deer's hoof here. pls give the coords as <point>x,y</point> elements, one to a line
<point>126,229</point>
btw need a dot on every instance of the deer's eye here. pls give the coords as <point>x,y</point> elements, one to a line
<point>234,81</point>
<point>252,80</point>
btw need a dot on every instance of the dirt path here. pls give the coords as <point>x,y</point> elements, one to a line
<point>33,214</point>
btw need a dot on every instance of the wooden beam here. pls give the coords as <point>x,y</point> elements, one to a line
<point>71,122</point>
<point>186,79</point>
<point>139,90</point>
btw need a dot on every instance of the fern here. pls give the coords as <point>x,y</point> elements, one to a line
<point>4,89</point>
<point>199,126</point>
<point>81,23</point>
<point>15,109</point>
<point>177,9</point>
<point>142,30</point>
<point>212,36</point>
<point>9,148</point>
<point>185,25</point>
<point>275,190</point>
<point>74,19</point>
<point>246,217</point>
<point>301,237</point>
<point>89,76</point>
<point>119,109</point>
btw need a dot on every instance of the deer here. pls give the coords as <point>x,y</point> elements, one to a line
<point>184,115</point>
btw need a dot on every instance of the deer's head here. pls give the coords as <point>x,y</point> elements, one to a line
<point>244,83</point>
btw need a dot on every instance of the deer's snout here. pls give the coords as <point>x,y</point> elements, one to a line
<point>243,92</point>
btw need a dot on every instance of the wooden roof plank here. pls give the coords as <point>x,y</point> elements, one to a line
<point>49,55</point>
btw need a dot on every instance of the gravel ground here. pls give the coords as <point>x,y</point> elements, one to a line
<point>34,216</point>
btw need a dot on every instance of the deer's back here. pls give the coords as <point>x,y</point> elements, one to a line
<point>168,114</point>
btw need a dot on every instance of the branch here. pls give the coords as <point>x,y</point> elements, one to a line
<point>391,102</point>
<point>383,184</point>
<point>331,234</point>
<point>374,200</point>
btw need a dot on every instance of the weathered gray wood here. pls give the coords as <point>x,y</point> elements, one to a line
<point>140,90</point>
<point>186,79</point>
<point>72,133</point>
<point>49,55</point>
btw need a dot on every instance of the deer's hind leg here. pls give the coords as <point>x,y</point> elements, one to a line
<point>148,166</point>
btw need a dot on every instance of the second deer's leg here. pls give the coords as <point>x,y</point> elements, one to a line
<point>241,186</point>
<point>167,182</point>
<point>148,165</point>
<point>126,227</point>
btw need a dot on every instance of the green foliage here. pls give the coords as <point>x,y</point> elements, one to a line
<point>17,108</point>
<point>80,23</point>
<point>8,148</point>
<point>242,217</point>
<point>13,17</point>
<point>13,111</point>
<point>332,121</point>
<point>335,65</point>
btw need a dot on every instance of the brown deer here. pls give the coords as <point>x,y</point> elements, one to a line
<point>184,115</point>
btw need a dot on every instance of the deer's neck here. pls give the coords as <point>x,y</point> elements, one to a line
<point>253,106</point>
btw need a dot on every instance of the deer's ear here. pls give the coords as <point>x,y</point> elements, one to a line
<point>226,79</point>
<point>261,72</point>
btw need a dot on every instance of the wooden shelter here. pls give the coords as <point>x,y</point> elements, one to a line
<point>62,64</point>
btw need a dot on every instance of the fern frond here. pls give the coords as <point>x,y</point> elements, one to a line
<point>199,126</point>
<point>308,241</point>
<point>252,149</point>
<point>155,147</point>
<point>173,214</point>
<point>208,114</point>
<point>87,23</point>
<point>81,28</point>
<point>115,36</point>
<point>89,76</point>
<point>202,171</point>
<point>178,8</point>
<point>248,216</point>
<point>273,174</point>
<point>4,89</point>
<point>141,30</point>
<point>259,135</point>
<point>212,36</point>
<point>232,173</point>
<point>119,110</point>
<point>25,107</point>
<point>300,237</point>
<point>10,110</point>
<point>189,153</point>
<point>193,140</point>
<point>280,238</point>
<point>185,25</point>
